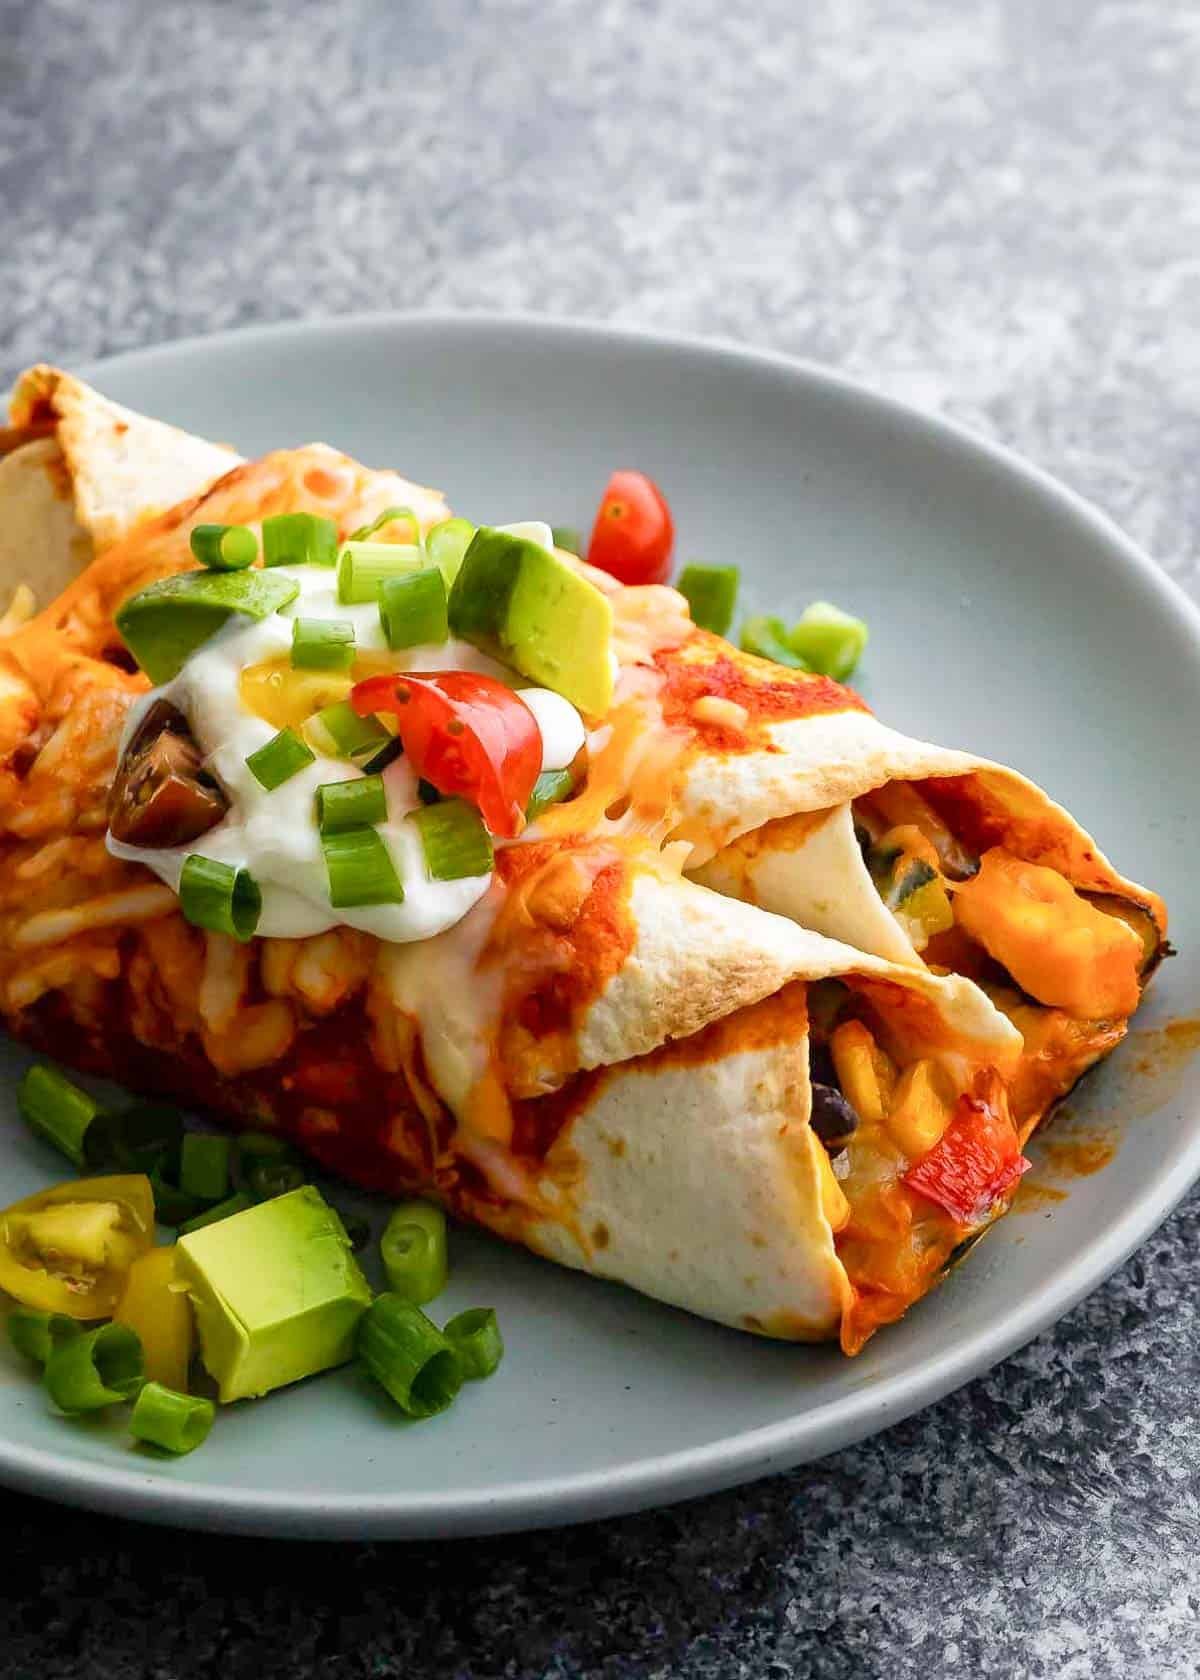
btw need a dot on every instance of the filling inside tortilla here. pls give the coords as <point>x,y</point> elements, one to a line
<point>1067,967</point>
<point>921,1141</point>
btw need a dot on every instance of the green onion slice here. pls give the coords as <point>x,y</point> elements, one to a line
<point>178,1423</point>
<point>475,1337</point>
<point>139,1138</point>
<point>56,1110</point>
<point>167,621</point>
<point>409,1356</point>
<point>457,844</point>
<point>340,731</point>
<point>768,638</point>
<point>267,1179</point>
<point>362,567</point>
<point>224,548</point>
<point>204,1166</point>
<point>360,870</point>
<point>283,757</point>
<point>38,1334</point>
<point>171,1206</point>
<point>446,544</point>
<point>413,1251</point>
<point>566,536</point>
<point>237,1203</point>
<point>95,1369</point>
<point>386,518</point>
<point>828,640</point>
<point>219,896</point>
<point>299,539</point>
<point>711,594</point>
<point>356,804</point>
<point>412,609</point>
<point>551,788</point>
<point>322,644</point>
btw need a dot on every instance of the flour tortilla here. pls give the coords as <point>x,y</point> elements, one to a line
<point>740,811</point>
<point>688,1169</point>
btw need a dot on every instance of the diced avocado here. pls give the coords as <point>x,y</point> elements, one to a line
<point>168,620</point>
<point>277,1292</point>
<point>518,599</point>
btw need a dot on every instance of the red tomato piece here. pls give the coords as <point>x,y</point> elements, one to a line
<point>976,1162</point>
<point>471,736</point>
<point>634,533</point>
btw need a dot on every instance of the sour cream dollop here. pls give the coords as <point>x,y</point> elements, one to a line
<point>274,834</point>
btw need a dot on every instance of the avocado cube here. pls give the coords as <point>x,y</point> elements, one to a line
<point>277,1293</point>
<point>520,600</point>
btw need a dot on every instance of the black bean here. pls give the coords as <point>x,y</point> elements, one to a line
<point>833,1119</point>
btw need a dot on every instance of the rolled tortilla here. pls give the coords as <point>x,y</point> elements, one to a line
<point>604,1061</point>
<point>77,472</point>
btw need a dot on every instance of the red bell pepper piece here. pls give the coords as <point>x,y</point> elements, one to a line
<point>471,736</point>
<point>976,1161</point>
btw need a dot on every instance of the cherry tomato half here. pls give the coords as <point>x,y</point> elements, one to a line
<point>469,735</point>
<point>634,534</point>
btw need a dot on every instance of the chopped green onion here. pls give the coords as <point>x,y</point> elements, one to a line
<point>408,1356</point>
<point>356,804</point>
<point>711,593</point>
<point>392,749</point>
<point>299,539</point>
<point>224,548</point>
<point>267,1179</point>
<point>412,609</point>
<point>204,1166</point>
<point>828,640</point>
<point>95,1369</point>
<point>262,1146</point>
<point>413,1250</point>
<point>456,843</point>
<point>283,757</point>
<point>255,1150</point>
<point>566,536</point>
<point>360,870</point>
<point>347,733</point>
<point>768,638</point>
<point>237,1203</point>
<point>386,518</point>
<point>163,624</point>
<point>219,896</point>
<point>176,1422</point>
<point>446,544</point>
<point>140,1138</point>
<point>171,1206</point>
<point>362,567</point>
<point>322,644</point>
<point>551,788</point>
<point>38,1334</point>
<point>56,1110</point>
<point>475,1337</point>
<point>426,792</point>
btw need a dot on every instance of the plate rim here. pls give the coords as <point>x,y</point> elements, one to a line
<point>664,1478</point>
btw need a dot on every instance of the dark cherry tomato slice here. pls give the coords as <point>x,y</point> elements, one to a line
<point>634,534</point>
<point>470,736</point>
<point>161,795</point>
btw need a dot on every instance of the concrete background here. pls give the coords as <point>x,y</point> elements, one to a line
<point>989,208</point>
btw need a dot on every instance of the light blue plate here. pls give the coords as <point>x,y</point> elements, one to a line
<point>1007,617</point>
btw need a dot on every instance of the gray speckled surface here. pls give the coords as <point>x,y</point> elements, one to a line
<point>993,208</point>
